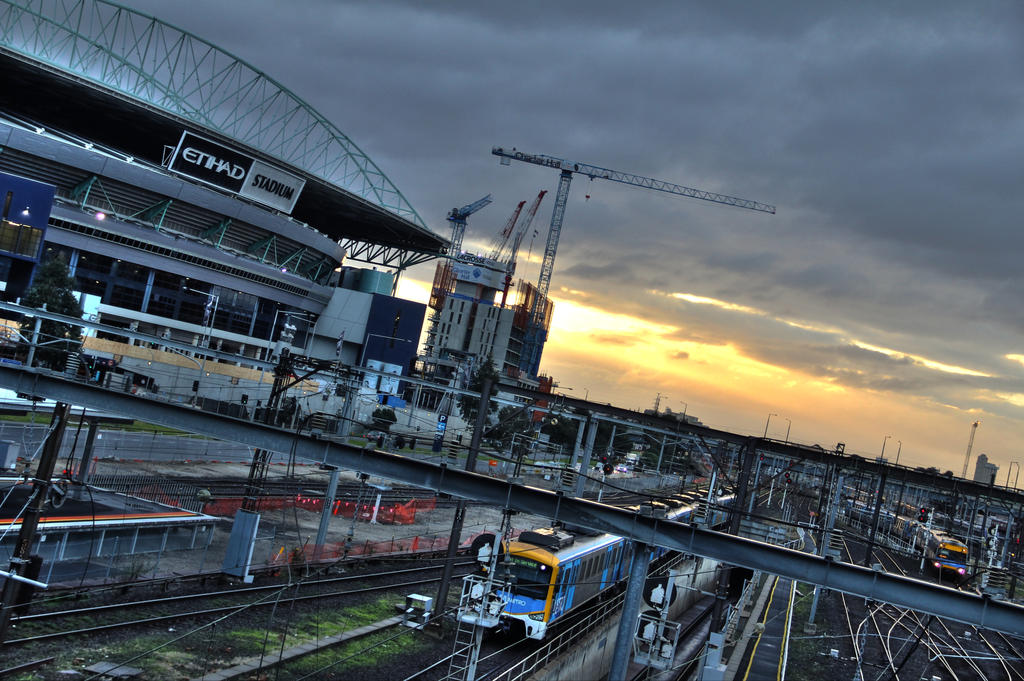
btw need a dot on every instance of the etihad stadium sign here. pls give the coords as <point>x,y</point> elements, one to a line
<point>213,163</point>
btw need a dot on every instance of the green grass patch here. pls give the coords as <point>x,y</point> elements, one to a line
<point>215,647</point>
<point>42,418</point>
<point>383,649</point>
<point>331,621</point>
<point>808,652</point>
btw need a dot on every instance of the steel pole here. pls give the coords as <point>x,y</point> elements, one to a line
<point>35,340</point>
<point>581,475</point>
<point>460,507</point>
<point>325,515</point>
<point>40,497</point>
<point>630,612</point>
<point>874,519</point>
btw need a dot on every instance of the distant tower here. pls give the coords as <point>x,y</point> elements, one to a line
<point>985,472</point>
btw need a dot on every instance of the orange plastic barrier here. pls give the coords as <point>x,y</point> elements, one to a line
<point>387,514</point>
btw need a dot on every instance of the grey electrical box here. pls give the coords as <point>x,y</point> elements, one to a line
<point>9,452</point>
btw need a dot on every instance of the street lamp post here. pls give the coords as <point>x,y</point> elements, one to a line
<point>586,391</point>
<point>899,449</point>
<point>765,436</point>
<point>1010,468</point>
<point>789,424</point>
<point>288,314</point>
<point>882,455</point>
<point>214,299</point>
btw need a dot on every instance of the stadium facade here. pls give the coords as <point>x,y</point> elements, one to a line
<point>196,200</point>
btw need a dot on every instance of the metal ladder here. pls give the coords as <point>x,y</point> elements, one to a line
<point>479,609</point>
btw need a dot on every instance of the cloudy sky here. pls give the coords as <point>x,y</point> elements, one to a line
<point>884,298</point>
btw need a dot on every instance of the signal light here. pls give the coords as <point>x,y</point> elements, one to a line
<point>788,480</point>
<point>923,514</point>
<point>607,469</point>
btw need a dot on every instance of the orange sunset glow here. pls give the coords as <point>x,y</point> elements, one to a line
<point>626,361</point>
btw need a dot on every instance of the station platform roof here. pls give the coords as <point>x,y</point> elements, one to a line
<point>100,510</point>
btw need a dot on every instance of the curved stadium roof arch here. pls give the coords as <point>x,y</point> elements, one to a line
<point>160,66</point>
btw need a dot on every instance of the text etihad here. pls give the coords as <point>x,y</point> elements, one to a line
<point>211,162</point>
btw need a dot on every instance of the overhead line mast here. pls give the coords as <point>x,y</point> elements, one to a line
<point>536,332</point>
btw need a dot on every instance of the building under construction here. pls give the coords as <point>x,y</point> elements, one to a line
<point>472,314</point>
<point>468,318</point>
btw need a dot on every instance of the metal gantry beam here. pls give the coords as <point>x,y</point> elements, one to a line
<point>562,403</point>
<point>980,611</point>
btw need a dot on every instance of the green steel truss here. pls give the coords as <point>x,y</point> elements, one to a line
<point>166,67</point>
<point>90,194</point>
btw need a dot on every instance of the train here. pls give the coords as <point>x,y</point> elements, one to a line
<point>945,553</point>
<point>941,550</point>
<point>555,570</point>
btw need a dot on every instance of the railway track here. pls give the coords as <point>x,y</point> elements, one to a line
<point>78,622</point>
<point>895,643</point>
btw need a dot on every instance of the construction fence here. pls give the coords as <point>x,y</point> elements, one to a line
<point>391,513</point>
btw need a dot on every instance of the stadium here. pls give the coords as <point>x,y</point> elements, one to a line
<point>198,202</point>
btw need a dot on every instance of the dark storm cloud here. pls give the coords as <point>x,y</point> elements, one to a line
<point>828,281</point>
<point>1005,301</point>
<point>888,134</point>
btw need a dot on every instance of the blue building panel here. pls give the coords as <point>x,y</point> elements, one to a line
<point>25,202</point>
<point>393,329</point>
<point>25,211</point>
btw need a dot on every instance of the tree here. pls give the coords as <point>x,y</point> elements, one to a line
<point>470,404</point>
<point>384,418</point>
<point>561,430</point>
<point>511,420</point>
<point>53,285</point>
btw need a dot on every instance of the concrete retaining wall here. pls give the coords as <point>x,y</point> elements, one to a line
<point>590,657</point>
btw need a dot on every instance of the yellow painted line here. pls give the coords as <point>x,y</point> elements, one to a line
<point>764,620</point>
<point>785,633</point>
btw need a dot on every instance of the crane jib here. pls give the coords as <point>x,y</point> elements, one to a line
<point>536,332</point>
<point>593,172</point>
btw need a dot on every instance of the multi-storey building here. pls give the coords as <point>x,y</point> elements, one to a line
<point>984,471</point>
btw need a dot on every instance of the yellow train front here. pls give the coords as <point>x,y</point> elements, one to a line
<point>946,553</point>
<point>555,570</point>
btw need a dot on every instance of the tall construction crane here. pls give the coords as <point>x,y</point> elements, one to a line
<point>457,216</point>
<point>501,241</point>
<point>535,334</point>
<point>510,268</point>
<point>970,445</point>
<point>507,253</point>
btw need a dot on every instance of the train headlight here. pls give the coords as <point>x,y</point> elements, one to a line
<point>537,616</point>
<point>961,570</point>
<point>937,564</point>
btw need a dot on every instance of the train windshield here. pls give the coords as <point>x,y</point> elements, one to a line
<point>531,579</point>
<point>954,552</point>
